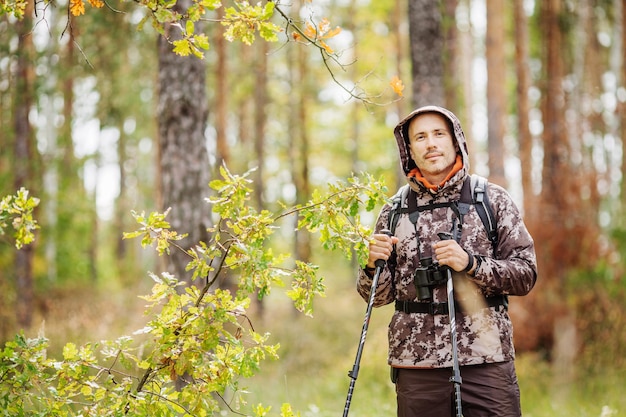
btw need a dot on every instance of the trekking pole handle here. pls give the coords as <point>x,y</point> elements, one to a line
<point>380,263</point>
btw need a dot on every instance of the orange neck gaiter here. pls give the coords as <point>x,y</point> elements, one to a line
<point>417,174</point>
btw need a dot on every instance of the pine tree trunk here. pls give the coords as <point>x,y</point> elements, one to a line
<point>183,159</point>
<point>621,109</point>
<point>466,58</point>
<point>24,161</point>
<point>300,150</point>
<point>221,94</point>
<point>496,91</point>
<point>522,71</point>
<point>426,40</point>
<point>452,81</point>
<point>400,55</point>
<point>260,119</point>
<point>553,238</point>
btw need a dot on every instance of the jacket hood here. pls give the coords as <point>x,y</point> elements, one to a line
<point>401,134</point>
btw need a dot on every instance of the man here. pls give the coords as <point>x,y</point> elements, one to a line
<point>434,157</point>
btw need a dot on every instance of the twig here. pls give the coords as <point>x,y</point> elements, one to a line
<point>326,56</point>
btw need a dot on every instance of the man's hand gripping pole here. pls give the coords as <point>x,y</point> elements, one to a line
<point>354,373</point>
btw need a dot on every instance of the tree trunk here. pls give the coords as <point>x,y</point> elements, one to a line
<point>183,159</point>
<point>426,40</point>
<point>452,81</point>
<point>527,332</point>
<point>121,206</point>
<point>621,110</point>
<point>300,149</point>
<point>590,123</point>
<point>553,238</point>
<point>260,119</point>
<point>245,107</point>
<point>466,58</point>
<point>522,71</point>
<point>24,162</point>
<point>400,55</point>
<point>496,91</point>
<point>221,94</point>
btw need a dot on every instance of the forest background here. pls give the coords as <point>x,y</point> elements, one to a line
<point>99,118</point>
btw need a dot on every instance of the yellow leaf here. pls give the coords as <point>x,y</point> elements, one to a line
<point>326,47</point>
<point>336,31</point>
<point>397,85</point>
<point>98,4</point>
<point>85,390</point>
<point>324,25</point>
<point>310,31</point>
<point>77,7</point>
<point>182,47</point>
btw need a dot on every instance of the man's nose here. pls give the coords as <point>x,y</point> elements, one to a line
<point>430,141</point>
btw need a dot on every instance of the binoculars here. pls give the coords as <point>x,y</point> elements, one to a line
<point>429,274</point>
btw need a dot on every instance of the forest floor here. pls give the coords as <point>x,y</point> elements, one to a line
<point>317,352</point>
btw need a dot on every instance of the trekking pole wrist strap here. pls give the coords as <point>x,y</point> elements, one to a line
<point>369,271</point>
<point>470,262</point>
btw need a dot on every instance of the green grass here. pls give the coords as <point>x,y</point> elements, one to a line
<point>579,394</point>
<point>317,353</point>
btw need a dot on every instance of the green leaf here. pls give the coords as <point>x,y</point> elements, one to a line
<point>201,41</point>
<point>182,47</point>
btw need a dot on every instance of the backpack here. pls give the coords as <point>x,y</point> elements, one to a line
<point>473,192</point>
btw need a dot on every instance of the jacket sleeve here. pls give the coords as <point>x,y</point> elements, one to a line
<point>512,270</point>
<point>385,293</point>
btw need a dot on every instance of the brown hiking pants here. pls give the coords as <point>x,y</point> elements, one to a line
<point>488,390</point>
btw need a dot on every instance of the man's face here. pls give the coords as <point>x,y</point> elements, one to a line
<point>432,146</point>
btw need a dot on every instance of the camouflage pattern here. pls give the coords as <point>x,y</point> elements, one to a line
<point>485,334</point>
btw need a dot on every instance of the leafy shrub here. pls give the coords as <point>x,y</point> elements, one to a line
<point>200,342</point>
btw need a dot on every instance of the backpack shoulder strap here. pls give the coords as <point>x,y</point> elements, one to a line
<point>480,199</point>
<point>473,192</point>
<point>398,205</point>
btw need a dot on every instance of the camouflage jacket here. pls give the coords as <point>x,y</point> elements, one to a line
<point>484,334</point>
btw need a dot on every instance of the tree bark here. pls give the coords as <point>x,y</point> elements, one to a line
<point>400,55</point>
<point>260,120</point>
<point>522,71</point>
<point>496,91</point>
<point>183,158</point>
<point>466,58</point>
<point>426,40</point>
<point>221,94</point>
<point>301,143</point>
<point>621,111</point>
<point>24,163</point>
<point>452,81</point>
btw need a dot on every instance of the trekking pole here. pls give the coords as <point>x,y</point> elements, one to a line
<point>354,373</point>
<point>456,371</point>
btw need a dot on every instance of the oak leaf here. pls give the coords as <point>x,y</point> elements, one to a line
<point>77,7</point>
<point>326,47</point>
<point>397,85</point>
<point>98,4</point>
<point>310,31</point>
